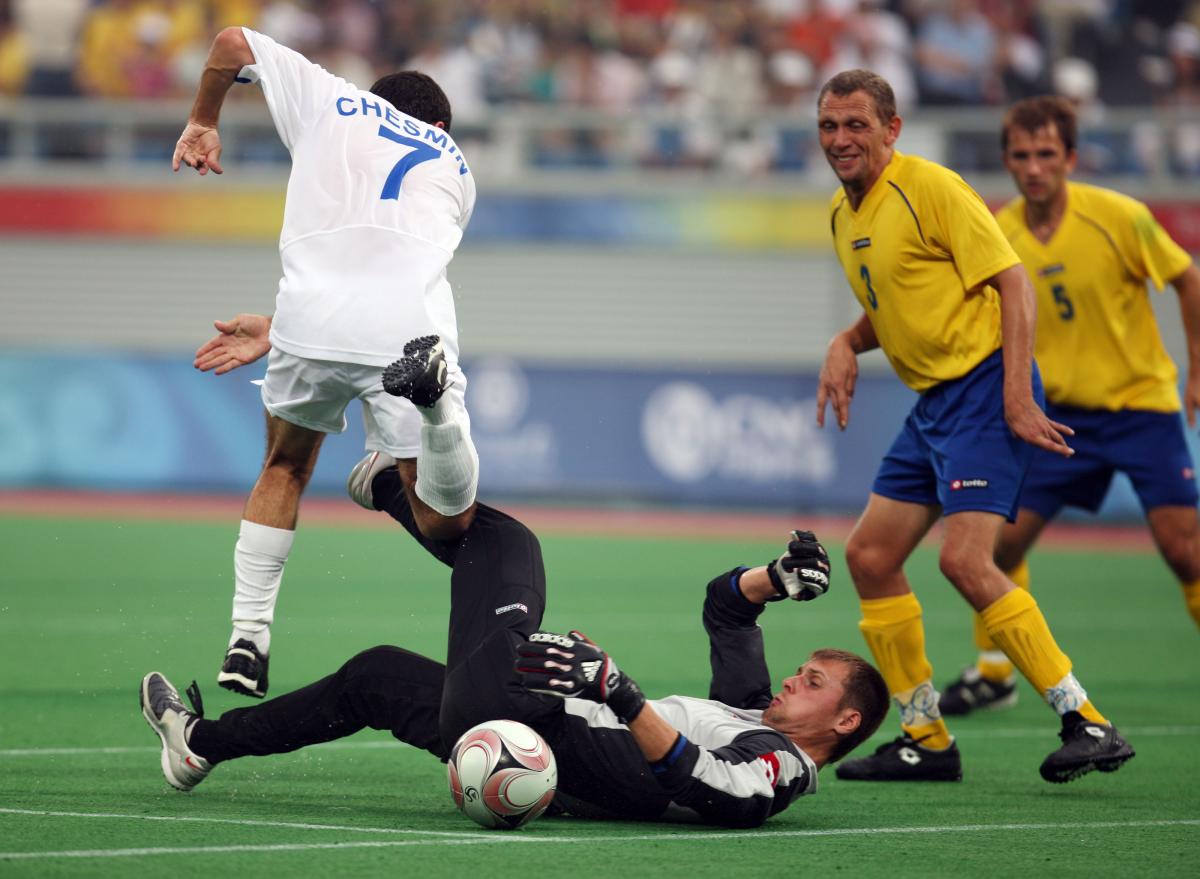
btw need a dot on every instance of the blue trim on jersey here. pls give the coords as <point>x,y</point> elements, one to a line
<point>671,756</point>
<point>1149,447</point>
<point>735,581</point>
<point>908,204</point>
<point>956,450</point>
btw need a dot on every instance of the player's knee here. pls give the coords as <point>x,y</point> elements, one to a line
<point>964,566</point>
<point>435,526</point>
<point>868,561</point>
<point>1181,552</point>
<point>366,663</point>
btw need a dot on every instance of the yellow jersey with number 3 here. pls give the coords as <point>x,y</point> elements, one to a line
<point>1097,339</point>
<point>917,252</point>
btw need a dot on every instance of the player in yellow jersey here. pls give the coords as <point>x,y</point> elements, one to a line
<point>1090,253</point>
<point>942,294</point>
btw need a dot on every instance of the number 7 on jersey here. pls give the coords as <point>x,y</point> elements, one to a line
<point>421,152</point>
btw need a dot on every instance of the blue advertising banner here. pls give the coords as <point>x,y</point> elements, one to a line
<point>748,439</point>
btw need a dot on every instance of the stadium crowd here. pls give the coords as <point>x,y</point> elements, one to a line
<point>685,62</point>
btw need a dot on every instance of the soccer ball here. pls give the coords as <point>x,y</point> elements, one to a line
<point>502,774</point>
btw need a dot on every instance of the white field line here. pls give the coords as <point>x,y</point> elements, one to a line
<point>999,732</point>
<point>530,839</point>
<point>154,749</point>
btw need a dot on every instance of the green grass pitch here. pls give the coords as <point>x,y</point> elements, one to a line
<point>89,606</point>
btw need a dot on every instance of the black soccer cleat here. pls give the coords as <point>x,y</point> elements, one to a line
<point>1087,746</point>
<point>970,691</point>
<point>904,759</point>
<point>244,670</point>
<point>420,375</point>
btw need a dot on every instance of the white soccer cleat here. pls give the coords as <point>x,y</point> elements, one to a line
<point>358,485</point>
<point>164,711</point>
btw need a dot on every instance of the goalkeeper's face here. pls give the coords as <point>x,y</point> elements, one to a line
<point>808,704</point>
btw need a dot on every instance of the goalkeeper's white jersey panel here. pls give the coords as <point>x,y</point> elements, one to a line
<point>741,765</point>
<point>377,202</point>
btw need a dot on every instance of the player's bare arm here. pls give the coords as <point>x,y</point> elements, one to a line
<point>1018,311</point>
<point>238,342</point>
<point>199,146</point>
<point>1187,285</point>
<point>839,371</point>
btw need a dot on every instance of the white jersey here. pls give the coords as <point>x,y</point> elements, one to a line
<point>728,767</point>
<point>377,202</point>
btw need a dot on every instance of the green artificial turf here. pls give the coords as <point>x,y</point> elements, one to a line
<point>87,607</point>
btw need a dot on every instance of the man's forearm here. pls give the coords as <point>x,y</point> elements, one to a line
<point>861,335</point>
<point>1187,285</point>
<point>654,736</point>
<point>1018,314</point>
<point>229,54</point>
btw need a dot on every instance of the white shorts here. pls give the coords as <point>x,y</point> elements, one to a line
<point>315,393</point>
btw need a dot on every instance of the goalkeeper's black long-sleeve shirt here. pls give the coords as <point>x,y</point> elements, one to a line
<point>726,768</point>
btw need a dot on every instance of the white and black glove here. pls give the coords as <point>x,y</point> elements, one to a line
<point>802,573</point>
<point>571,665</point>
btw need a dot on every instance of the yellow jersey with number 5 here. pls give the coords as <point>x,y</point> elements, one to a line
<point>917,252</point>
<point>1098,344</point>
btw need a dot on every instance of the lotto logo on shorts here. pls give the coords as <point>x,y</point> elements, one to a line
<point>959,484</point>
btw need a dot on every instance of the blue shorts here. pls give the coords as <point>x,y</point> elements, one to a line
<point>1149,447</point>
<point>956,450</point>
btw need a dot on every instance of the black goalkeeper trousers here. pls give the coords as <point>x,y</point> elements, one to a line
<point>497,599</point>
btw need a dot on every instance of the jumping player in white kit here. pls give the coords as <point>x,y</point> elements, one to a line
<point>377,201</point>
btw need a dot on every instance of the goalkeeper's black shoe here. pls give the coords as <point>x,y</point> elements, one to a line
<point>244,670</point>
<point>971,691</point>
<point>904,759</point>
<point>420,375</point>
<point>1086,746</point>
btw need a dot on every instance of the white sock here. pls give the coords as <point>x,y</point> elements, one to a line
<point>258,561</point>
<point>448,465</point>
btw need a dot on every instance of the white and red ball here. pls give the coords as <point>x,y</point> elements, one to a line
<point>502,774</point>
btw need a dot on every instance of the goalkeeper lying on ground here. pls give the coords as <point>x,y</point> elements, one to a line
<point>734,759</point>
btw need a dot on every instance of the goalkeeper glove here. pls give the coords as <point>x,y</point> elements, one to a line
<point>570,665</point>
<point>802,573</point>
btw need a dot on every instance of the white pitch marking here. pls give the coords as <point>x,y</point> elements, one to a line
<point>239,822</point>
<point>505,838</point>
<point>152,749</point>
<point>997,732</point>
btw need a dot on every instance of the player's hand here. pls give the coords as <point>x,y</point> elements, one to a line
<point>1030,423</point>
<point>239,341</point>
<point>198,147</point>
<point>835,385</point>
<point>571,665</point>
<point>801,573</point>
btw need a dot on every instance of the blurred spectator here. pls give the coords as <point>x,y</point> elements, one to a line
<point>956,55</point>
<point>146,60</point>
<point>680,133</point>
<point>49,29</point>
<point>293,24</point>
<point>876,39</point>
<point>457,71</point>
<point>14,53</point>
<point>729,73</point>
<point>108,34</point>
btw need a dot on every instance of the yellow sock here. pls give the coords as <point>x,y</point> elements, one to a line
<point>992,664</point>
<point>893,630</point>
<point>1191,595</point>
<point>1016,624</point>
